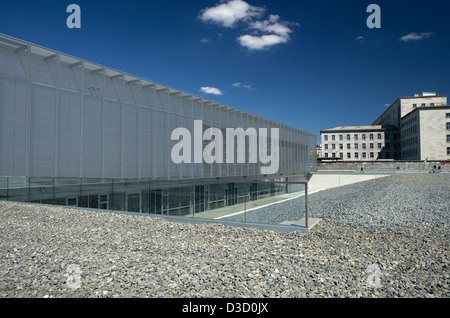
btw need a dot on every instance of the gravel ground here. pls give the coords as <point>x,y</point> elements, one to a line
<point>381,238</point>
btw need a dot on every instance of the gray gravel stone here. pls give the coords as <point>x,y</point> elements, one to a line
<point>398,225</point>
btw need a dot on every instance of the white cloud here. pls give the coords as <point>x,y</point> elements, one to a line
<point>211,90</point>
<point>205,40</point>
<point>360,38</point>
<point>261,42</point>
<point>413,36</point>
<point>265,33</point>
<point>246,86</point>
<point>228,14</point>
<point>279,33</point>
<point>273,26</point>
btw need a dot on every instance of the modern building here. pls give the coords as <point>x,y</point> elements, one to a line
<point>412,128</point>
<point>66,121</point>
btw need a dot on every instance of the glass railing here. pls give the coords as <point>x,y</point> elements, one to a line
<point>273,202</point>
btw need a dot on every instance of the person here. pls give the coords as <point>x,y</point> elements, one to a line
<point>362,168</point>
<point>439,169</point>
<point>434,169</point>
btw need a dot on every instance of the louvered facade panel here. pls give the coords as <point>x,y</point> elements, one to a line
<point>61,116</point>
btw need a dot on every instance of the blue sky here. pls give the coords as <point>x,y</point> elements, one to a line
<point>312,65</point>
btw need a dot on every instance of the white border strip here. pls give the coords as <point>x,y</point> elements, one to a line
<point>264,206</point>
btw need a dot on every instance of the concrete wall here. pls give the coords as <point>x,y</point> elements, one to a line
<point>381,165</point>
<point>328,181</point>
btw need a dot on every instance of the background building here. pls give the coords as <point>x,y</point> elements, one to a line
<point>64,117</point>
<point>412,128</point>
<point>366,143</point>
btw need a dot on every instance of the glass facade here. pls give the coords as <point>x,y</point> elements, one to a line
<point>251,201</point>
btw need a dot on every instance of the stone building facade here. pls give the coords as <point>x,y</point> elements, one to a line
<point>412,128</point>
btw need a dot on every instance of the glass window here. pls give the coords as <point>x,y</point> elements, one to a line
<point>341,137</point>
<point>379,136</point>
<point>326,147</point>
<point>348,137</point>
<point>447,115</point>
<point>356,155</point>
<point>325,137</point>
<point>333,146</point>
<point>363,136</point>
<point>379,145</point>
<point>372,155</point>
<point>341,155</point>
<point>333,137</point>
<point>349,155</point>
<point>448,150</point>
<point>348,146</point>
<point>355,136</point>
<point>371,136</point>
<point>356,146</point>
<point>364,155</point>
<point>371,145</point>
<point>341,146</point>
<point>448,138</point>
<point>326,155</point>
<point>364,146</point>
<point>414,105</point>
<point>448,126</point>
<point>333,155</point>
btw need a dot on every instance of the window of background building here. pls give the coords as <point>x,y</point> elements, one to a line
<point>379,136</point>
<point>348,137</point>
<point>326,147</point>
<point>355,136</point>
<point>333,137</point>
<point>372,155</point>
<point>371,145</point>
<point>333,146</point>
<point>333,155</point>
<point>364,155</point>
<point>356,146</point>
<point>432,104</point>
<point>341,146</point>
<point>341,155</point>
<point>356,155</point>
<point>379,145</point>
<point>349,155</point>
<point>348,146</point>
<point>325,137</point>
<point>326,155</point>
<point>448,138</point>
<point>447,115</point>
<point>423,104</point>
<point>414,105</point>
<point>448,150</point>
<point>364,146</point>
<point>448,126</point>
<point>371,136</point>
<point>363,136</point>
<point>341,137</point>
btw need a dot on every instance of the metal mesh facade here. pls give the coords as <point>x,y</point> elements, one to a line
<point>61,116</point>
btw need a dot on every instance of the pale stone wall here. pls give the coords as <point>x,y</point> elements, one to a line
<point>433,137</point>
